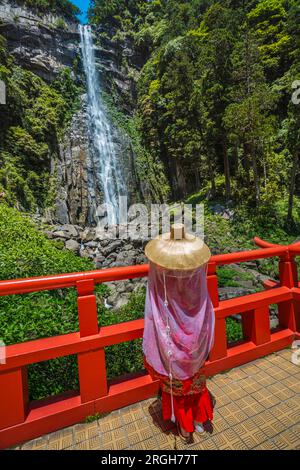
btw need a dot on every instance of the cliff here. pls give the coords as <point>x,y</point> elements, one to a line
<point>42,44</point>
<point>45,45</point>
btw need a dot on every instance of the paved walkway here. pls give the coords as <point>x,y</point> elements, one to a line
<point>258,407</point>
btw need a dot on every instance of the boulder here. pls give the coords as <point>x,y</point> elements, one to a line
<point>72,245</point>
<point>111,247</point>
<point>69,230</point>
<point>61,234</point>
<point>92,244</point>
<point>88,234</point>
<point>231,292</point>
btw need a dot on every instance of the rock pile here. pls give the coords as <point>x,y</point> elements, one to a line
<point>104,253</point>
<point>109,253</point>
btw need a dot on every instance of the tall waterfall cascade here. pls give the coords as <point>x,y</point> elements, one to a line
<point>107,167</point>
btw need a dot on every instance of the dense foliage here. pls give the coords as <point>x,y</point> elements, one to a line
<point>25,252</point>
<point>32,123</point>
<point>59,7</point>
<point>214,95</point>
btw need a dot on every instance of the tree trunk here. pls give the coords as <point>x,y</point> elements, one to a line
<point>212,178</point>
<point>226,171</point>
<point>292,188</point>
<point>246,164</point>
<point>255,174</point>
<point>236,159</point>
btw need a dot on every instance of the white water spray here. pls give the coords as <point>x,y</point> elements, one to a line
<point>105,160</point>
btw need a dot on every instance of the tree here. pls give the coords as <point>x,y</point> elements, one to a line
<point>247,116</point>
<point>291,132</point>
<point>268,21</point>
<point>218,25</point>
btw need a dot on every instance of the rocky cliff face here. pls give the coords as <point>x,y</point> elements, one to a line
<point>42,44</point>
<point>119,64</point>
<point>79,190</point>
<point>74,172</point>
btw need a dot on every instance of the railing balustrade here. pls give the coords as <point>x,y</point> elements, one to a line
<point>21,420</point>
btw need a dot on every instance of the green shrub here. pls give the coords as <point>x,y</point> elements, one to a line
<point>234,330</point>
<point>64,7</point>
<point>25,252</point>
<point>228,277</point>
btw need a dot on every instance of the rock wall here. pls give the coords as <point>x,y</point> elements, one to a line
<point>43,44</point>
<point>119,64</point>
<point>74,172</point>
<point>79,190</point>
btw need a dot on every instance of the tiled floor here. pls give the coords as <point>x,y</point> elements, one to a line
<point>258,407</point>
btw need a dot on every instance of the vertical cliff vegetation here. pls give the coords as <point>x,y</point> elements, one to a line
<point>214,95</point>
<point>58,7</point>
<point>32,123</point>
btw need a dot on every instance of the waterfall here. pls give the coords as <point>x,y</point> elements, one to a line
<point>106,165</point>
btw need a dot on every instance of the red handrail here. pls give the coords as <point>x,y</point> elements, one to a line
<point>264,244</point>
<point>20,421</point>
<point>60,281</point>
<point>243,256</point>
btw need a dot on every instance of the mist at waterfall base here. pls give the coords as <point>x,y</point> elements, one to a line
<point>107,168</point>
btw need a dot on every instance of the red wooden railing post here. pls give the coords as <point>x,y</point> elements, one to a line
<point>219,349</point>
<point>91,364</point>
<point>296,305</point>
<point>87,308</point>
<point>212,283</point>
<point>288,276</point>
<point>256,325</point>
<point>13,397</point>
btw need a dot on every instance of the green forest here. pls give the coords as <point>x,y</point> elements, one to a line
<point>214,96</point>
<point>60,7</point>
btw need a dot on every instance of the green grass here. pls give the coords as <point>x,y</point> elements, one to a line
<point>228,277</point>
<point>25,252</point>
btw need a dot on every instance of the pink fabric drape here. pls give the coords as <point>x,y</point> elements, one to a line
<point>179,321</point>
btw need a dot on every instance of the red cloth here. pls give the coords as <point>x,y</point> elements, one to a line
<point>188,408</point>
<point>190,404</point>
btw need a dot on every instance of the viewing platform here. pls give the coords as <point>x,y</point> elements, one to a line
<point>254,381</point>
<point>257,407</point>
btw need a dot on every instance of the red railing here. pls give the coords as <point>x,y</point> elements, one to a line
<point>21,420</point>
